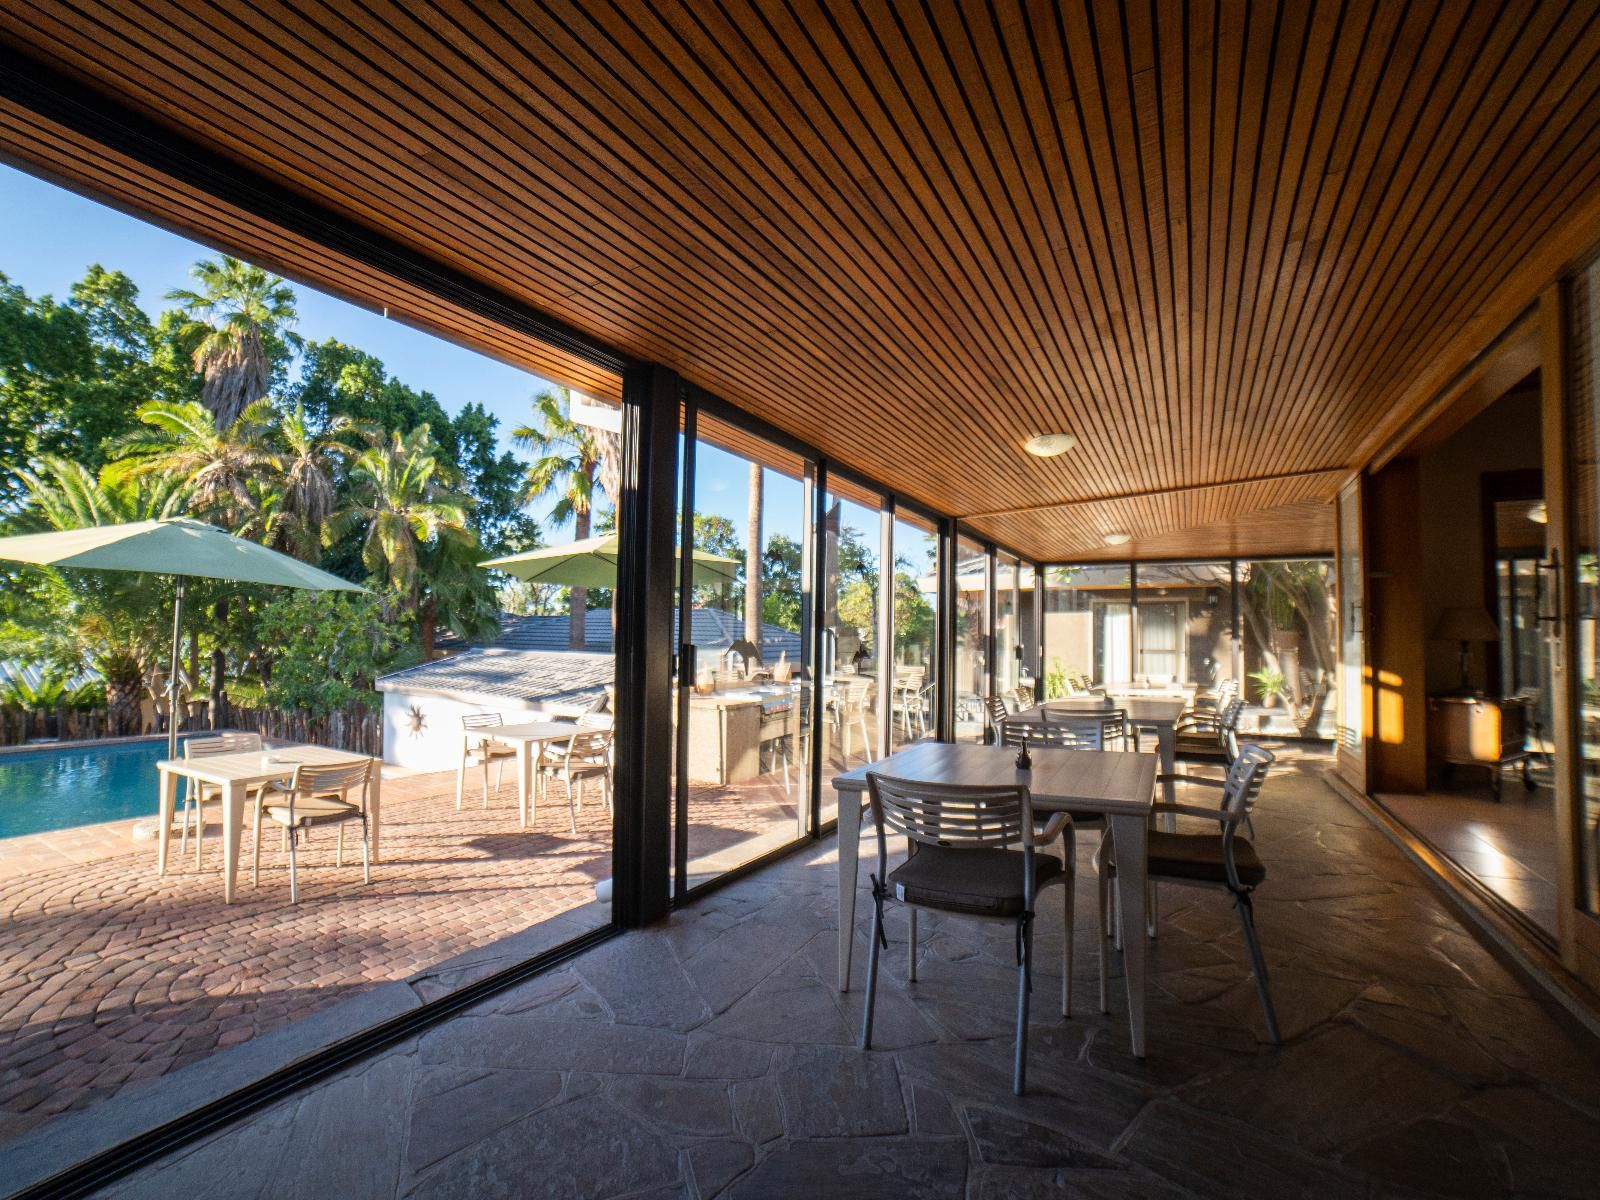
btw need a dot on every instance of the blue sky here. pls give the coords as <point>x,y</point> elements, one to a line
<point>49,237</point>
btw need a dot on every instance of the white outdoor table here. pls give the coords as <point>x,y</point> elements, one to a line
<point>1120,785</point>
<point>235,774</point>
<point>526,737</point>
<point>1160,715</point>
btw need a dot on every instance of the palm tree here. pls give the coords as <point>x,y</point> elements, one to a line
<point>400,494</point>
<point>113,618</point>
<point>296,499</point>
<point>242,317</point>
<point>217,463</point>
<point>572,461</point>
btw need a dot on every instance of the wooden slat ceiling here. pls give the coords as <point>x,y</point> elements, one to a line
<point>1215,241</point>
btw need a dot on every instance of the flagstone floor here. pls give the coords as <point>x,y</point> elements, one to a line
<point>111,977</point>
<point>713,1056</point>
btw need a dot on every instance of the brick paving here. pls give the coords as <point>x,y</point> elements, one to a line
<point>113,977</point>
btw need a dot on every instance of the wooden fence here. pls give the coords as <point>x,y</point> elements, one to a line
<point>357,729</point>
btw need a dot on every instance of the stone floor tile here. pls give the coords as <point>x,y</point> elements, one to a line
<point>474,1105</point>
<point>860,1169</point>
<point>828,1092</point>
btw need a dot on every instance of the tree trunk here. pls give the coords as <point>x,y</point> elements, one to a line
<point>580,596</point>
<point>122,707</point>
<point>752,561</point>
<point>428,625</point>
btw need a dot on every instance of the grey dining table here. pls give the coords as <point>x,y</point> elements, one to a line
<point>1121,785</point>
<point>1157,714</point>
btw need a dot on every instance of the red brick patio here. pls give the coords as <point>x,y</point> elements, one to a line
<point>113,977</point>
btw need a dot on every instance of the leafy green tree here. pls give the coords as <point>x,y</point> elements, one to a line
<point>329,648</point>
<point>780,598</point>
<point>297,495</point>
<point>243,318</point>
<point>71,375</point>
<point>494,479</point>
<point>338,380</point>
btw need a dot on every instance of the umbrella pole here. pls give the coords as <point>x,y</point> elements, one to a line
<point>172,673</point>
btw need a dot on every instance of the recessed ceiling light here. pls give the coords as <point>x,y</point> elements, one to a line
<point>1048,445</point>
<point>1118,539</point>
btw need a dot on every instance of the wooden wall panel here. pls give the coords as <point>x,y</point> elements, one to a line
<point>1219,243</point>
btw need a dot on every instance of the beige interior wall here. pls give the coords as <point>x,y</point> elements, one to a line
<point>1504,437</point>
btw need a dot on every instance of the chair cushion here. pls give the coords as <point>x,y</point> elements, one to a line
<point>313,810</point>
<point>985,883</point>
<point>1198,857</point>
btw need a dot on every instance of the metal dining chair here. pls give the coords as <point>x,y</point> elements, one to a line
<point>586,755</point>
<point>1224,860</point>
<point>961,861</point>
<point>998,712</point>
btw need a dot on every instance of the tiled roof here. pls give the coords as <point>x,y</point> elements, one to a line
<point>556,677</point>
<point>714,631</point>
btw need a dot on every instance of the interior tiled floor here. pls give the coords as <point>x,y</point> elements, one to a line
<point>1510,845</point>
<point>713,1056</point>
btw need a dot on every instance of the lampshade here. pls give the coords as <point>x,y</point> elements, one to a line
<point>1465,625</point>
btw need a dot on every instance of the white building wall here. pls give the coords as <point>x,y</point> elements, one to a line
<point>422,730</point>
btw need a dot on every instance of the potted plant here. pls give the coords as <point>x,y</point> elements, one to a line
<point>1269,685</point>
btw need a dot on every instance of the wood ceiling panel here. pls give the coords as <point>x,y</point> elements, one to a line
<point>1219,243</point>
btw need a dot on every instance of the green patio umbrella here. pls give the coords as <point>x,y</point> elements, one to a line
<point>592,563</point>
<point>178,547</point>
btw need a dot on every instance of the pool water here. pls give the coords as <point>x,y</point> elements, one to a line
<point>62,786</point>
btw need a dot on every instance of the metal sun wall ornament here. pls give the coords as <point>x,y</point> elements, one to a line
<point>416,721</point>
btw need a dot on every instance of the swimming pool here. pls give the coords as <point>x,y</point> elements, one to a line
<point>57,787</point>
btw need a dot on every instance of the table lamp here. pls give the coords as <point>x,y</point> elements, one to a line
<point>1465,625</point>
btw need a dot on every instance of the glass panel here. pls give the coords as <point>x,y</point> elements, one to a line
<point>749,712</point>
<point>1352,700</point>
<point>1185,634</point>
<point>120,976</point>
<point>852,535</point>
<point>1286,609</point>
<point>1088,630</point>
<point>1027,629</point>
<point>1006,642</point>
<point>1583,398</point>
<point>916,627</point>
<point>971,681</point>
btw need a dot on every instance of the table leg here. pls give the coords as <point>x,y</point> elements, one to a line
<point>233,795</point>
<point>524,774</point>
<point>1131,848</point>
<point>849,856</point>
<point>375,811</point>
<point>1167,752</point>
<point>169,801</point>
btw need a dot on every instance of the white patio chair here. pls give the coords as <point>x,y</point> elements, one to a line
<point>197,795</point>
<point>481,751</point>
<point>586,755</point>
<point>319,795</point>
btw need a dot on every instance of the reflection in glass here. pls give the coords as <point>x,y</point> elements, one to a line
<point>915,617</point>
<point>1290,661</point>
<point>1088,627</point>
<point>1184,633</point>
<point>850,652</point>
<point>971,682</point>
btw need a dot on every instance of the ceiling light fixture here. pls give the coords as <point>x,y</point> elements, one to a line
<point>1118,539</point>
<point>1539,514</point>
<point>1048,445</point>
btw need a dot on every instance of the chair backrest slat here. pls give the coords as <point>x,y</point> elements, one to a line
<point>320,779</point>
<point>222,743</point>
<point>945,815</point>
<point>1055,733</point>
<point>487,720</point>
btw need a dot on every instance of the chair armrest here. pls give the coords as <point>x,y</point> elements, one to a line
<point>1200,779</point>
<point>1052,829</point>
<point>1194,810</point>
